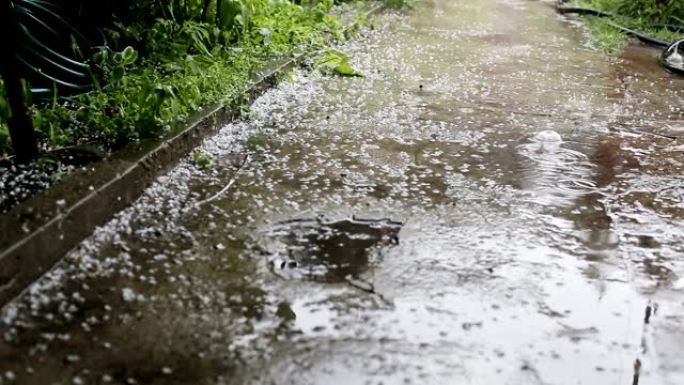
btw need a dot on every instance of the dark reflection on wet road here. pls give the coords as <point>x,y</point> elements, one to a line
<point>523,207</point>
<point>329,251</point>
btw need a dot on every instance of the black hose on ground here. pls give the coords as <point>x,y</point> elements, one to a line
<point>563,9</point>
<point>671,58</point>
<point>648,39</point>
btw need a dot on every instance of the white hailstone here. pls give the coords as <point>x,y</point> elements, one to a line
<point>128,295</point>
<point>71,358</point>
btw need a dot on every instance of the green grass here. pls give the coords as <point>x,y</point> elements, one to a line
<point>176,69</point>
<point>603,36</point>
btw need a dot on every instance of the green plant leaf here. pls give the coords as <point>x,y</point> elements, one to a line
<point>118,73</point>
<point>129,56</point>
<point>228,11</point>
<point>201,160</point>
<point>336,62</point>
<point>345,69</point>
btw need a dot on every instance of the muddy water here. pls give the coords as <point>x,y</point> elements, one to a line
<point>493,203</point>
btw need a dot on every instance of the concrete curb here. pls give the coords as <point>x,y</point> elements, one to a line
<point>40,231</point>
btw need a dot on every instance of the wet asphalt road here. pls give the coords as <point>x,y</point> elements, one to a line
<point>493,203</point>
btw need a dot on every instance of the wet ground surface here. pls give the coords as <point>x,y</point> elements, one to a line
<point>494,203</point>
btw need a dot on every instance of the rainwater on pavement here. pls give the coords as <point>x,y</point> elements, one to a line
<point>493,203</point>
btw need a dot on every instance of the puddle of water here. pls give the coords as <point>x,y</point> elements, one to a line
<point>328,251</point>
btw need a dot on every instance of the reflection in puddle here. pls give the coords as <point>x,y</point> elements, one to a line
<point>329,251</point>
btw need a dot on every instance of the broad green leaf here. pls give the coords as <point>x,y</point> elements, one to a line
<point>129,55</point>
<point>228,10</point>
<point>345,69</point>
